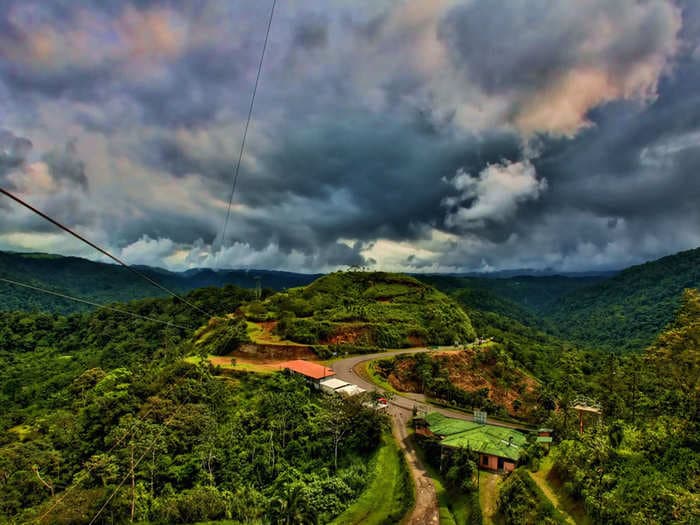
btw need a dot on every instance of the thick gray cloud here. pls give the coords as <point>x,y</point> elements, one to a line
<point>65,164</point>
<point>412,135</point>
<point>13,151</point>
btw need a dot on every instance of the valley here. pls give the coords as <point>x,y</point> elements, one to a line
<point>209,398</point>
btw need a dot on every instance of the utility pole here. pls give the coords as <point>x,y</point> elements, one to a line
<point>258,287</point>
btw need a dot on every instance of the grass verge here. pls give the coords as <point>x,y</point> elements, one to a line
<point>455,507</point>
<point>371,374</point>
<point>389,493</point>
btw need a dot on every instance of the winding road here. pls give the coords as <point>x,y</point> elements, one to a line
<point>425,511</point>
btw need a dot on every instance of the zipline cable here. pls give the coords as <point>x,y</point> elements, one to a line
<point>91,303</point>
<point>118,442</point>
<point>247,123</point>
<point>101,250</point>
<point>131,470</point>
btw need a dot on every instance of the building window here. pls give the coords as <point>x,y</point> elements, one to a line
<point>484,460</point>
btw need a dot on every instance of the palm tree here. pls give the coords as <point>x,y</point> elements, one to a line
<point>293,508</point>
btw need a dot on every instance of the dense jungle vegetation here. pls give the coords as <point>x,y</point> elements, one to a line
<point>640,463</point>
<point>86,397</point>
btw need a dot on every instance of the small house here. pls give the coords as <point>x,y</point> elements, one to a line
<point>499,448</point>
<point>329,385</point>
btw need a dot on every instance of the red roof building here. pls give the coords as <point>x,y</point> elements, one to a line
<point>311,371</point>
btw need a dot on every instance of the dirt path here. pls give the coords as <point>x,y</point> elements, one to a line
<point>488,494</point>
<point>425,510</point>
<point>542,483</point>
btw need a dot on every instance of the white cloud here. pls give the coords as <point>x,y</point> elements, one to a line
<point>493,195</point>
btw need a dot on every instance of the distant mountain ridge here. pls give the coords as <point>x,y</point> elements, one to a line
<point>627,311</point>
<point>104,283</point>
<point>614,312</point>
<point>619,313</point>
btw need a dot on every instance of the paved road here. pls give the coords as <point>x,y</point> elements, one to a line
<point>425,511</point>
<point>348,370</point>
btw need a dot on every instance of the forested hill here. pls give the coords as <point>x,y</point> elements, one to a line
<point>627,311</point>
<point>364,309</point>
<point>533,293</point>
<point>104,283</point>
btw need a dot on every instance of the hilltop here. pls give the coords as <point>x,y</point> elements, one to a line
<point>364,309</point>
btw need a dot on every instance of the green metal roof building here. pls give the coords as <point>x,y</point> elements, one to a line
<point>499,448</point>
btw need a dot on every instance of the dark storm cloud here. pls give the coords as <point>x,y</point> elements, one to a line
<point>66,165</point>
<point>311,33</point>
<point>388,173</point>
<point>13,152</point>
<point>528,44</point>
<point>535,134</point>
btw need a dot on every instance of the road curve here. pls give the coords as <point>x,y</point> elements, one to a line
<point>425,511</point>
<point>346,369</point>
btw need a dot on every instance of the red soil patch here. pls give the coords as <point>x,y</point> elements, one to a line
<point>505,386</point>
<point>346,335</point>
<point>273,352</point>
<point>268,326</point>
<point>416,341</point>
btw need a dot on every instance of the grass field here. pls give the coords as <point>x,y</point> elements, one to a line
<point>241,364</point>
<point>489,483</point>
<point>389,493</point>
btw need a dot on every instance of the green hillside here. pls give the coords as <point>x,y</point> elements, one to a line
<point>627,311</point>
<point>91,400</point>
<point>105,283</point>
<point>530,293</point>
<point>365,309</point>
<point>642,463</point>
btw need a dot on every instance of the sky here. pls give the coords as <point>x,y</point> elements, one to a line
<point>440,136</point>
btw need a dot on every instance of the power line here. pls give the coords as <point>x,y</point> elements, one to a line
<point>132,470</point>
<point>85,301</point>
<point>247,123</point>
<point>101,250</point>
<point>91,467</point>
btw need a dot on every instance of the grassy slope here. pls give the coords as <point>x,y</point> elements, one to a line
<point>388,495</point>
<point>489,484</point>
<point>553,490</point>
